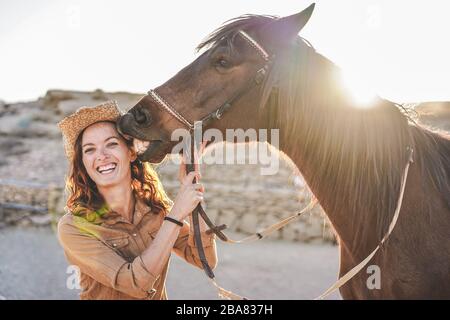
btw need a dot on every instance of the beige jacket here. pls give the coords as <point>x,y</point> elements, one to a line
<point>107,252</point>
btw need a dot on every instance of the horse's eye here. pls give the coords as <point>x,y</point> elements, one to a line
<point>223,63</point>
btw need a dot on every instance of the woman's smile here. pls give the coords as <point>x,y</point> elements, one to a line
<point>107,169</point>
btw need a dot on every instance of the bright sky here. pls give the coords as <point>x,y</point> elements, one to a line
<point>399,48</point>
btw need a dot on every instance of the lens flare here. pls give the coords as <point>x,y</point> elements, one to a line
<point>359,89</point>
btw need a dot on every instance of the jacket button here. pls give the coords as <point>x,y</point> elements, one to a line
<point>151,293</point>
<point>134,235</point>
<point>114,245</point>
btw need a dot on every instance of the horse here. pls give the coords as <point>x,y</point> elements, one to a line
<point>263,75</point>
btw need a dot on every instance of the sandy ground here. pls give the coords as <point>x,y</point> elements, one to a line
<point>32,266</point>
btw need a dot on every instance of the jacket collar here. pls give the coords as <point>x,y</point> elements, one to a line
<point>107,216</point>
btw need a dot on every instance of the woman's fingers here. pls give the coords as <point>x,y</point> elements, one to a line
<point>198,186</point>
<point>199,195</point>
<point>189,196</point>
<point>182,169</point>
<point>196,157</point>
<point>202,148</point>
<point>205,142</point>
<point>189,178</point>
<point>198,154</point>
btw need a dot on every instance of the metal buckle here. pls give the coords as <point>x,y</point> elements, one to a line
<point>260,75</point>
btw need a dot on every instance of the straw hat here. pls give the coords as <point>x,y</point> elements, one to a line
<point>74,124</point>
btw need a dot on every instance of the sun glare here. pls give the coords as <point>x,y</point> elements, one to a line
<point>359,89</point>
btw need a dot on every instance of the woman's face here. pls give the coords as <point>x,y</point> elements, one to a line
<point>105,155</point>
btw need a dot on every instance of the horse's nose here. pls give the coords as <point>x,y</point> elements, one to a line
<point>142,116</point>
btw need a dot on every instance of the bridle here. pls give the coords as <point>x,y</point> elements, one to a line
<point>256,80</point>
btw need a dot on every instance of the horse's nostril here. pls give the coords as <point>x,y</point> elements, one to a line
<point>139,116</point>
<point>142,116</point>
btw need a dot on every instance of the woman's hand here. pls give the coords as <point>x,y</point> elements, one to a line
<point>190,194</point>
<point>188,197</point>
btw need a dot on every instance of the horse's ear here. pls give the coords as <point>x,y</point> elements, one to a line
<point>283,30</point>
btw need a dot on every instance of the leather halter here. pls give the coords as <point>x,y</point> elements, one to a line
<point>257,80</point>
<point>219,111</point>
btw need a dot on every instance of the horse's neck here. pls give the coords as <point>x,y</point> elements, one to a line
<point>345,219</point>
<point>341,219</point>
<point>349,156</point>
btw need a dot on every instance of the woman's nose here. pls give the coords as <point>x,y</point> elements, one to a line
<point>102,154</point>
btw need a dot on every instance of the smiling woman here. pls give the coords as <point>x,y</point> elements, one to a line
<point>121,227</point>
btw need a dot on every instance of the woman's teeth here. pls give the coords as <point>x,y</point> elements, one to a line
<point>107,168</point>
<point>140,146</point>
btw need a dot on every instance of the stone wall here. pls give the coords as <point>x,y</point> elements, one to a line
<point>238,195</point>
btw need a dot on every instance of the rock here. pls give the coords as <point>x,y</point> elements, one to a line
<point>14,124</point>
<point>213,214</point>
<point>53,97</point>
<point>56,201</point>
<point>219,200</point>
<point>46,116</point>
<point>290,233</point>
<point>248,223</point>
<point>298,182</point>
<point>99,94</point>
<point>40,220</point>
<point>24,125</point>
<point>2,107</point>
<point>42,129</point>
<point>264,209</point>
<point>15,217</point>
<point>67,107</point>
<point>434,114</point>
<point>24,223</point>
<point>228,217</point>
<point>314,230</point>
<point>12,147</point>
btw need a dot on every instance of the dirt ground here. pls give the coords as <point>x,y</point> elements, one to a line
<point>32,266</point>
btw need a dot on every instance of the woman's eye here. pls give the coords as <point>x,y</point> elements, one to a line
<point>88,150</point>
<point>112,144</point>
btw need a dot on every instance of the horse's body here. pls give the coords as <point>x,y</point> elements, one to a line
<point>351,158</point>
<point>414,262</point>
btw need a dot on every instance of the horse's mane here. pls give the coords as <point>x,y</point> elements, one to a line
<point>230,28</point>
<point>359,154</point>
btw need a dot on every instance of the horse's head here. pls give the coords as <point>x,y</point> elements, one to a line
<point>223,87</point>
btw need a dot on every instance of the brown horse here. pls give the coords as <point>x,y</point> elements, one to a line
<point>352,158</point>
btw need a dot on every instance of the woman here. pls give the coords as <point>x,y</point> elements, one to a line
<point>121,228</point>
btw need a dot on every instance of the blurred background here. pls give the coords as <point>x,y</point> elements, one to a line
<point>56,56</point>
